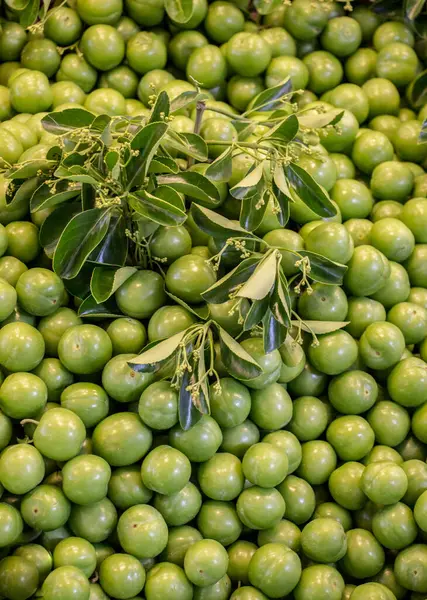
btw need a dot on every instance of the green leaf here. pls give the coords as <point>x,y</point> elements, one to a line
<point>22,196</point>
<point>161,108</point>
<point>274,333</point>
<point>265,7</point>
<point>417,90</point>
<point>106,281</point>
<point>189,144</point>
<point>216,225</point>
<point>53,226</point>
<point>30,168</point>
<point>82,235</point>
<point>113,249</point>
<point>145,226</point>
<point>220,291</point>
<point>67,120</point>
<point>220,169</point>
<point>152,357</point>
<point>237,361</point>
<point>324,270</point>
<point>188,413</point>
<point>147,142</point>
<point>161,207</point>
<point>260,283</point>
<point>111,159</point>
<point>320,327</point>
<point>179,11</point>
<point>192,184</point>
<point>185,100</point>
<point>201,312</point>
<point>413,8</point>
<point>284,131</point>
<point>248,185</point>
<point>271,98</point>
<point>105,310</point>
<point>28,16</point>
<point>315,120</point>
<point>309,191</point>
<point>46,197</point>
<point>163,164</point>
<point>75,173</point>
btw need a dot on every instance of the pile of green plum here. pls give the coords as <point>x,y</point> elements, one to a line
<point>308,482</point>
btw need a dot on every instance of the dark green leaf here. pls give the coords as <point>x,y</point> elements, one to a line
<point>413,8</point>
<point>179,11</point>
<point>163,164</point>
<point>80,237</point>
<point>53,226</point>
<point>274,333</point>
<point>67,120</point>
<point>253,208</point>
<point>261,282</point>
<point>309,191</point>
<point>220,291</point>
<point>271,98</point>
<point>155,354</point>
<point>46,197</point>
<point>216,225</point>
<point>248,186</point>
<point>265,7</point>
<point>113,249</point>
<point>236,360</point>
<point>189,144</point>
<point>256,313</point>
<point>280,303</point>
<point>284,205</point>
<point>324,270</point>
<point>192,184</point>
<point>284,131</point>
<point>147,142</point>
<point>161,108</point>
<point>220,169</point>
<point>201,311</point>
<point>88,196</point>
<point>105,310</point>
<point>159,207</point>
<point>417,90</point>
<point>106,281</point>
<point>54,153</point>
<point>79,286</point>
<point>188,413</point>
<point>74,158</point>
